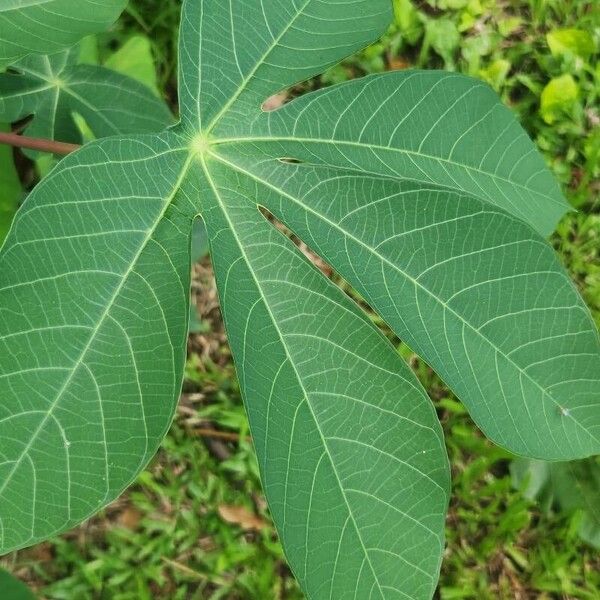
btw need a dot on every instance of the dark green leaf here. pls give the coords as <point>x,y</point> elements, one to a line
<point>52,88</point>
<point>12,589</point>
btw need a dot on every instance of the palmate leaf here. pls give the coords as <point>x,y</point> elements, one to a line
<point>53,88</point>
<point>47,26</point>
<point>439,239</point>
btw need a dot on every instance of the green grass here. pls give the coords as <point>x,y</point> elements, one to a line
<point>167,538</point>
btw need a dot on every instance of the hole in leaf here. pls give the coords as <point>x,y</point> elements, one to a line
<point>313,257</point>
<point>275,102</point>
<point>279,100</point>
<point>329,272</point>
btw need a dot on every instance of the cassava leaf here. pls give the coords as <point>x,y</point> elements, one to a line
<point>13,589</point>
<point>103,298</point>
<point>52,88</point>
<point>47,26</point>
<point>426,126</point>
<point>427,208</point>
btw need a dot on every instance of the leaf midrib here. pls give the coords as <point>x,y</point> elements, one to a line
<point>259,63</point>
<point>31,92</point>
<point>415,282</point>
<point>374,147</point>
<point>293,366</point>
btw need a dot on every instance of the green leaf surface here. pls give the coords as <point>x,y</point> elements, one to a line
<point>47,26</point>
<point>412,125</point>
<point>52,88</point>
<point>12,589</point>
<point>469,287</point>
<point>421,189</point>
<point>234,55</point>
<point>558,97</point>
<point>95,276</point>
<point>314,371</point>
<point>200,244</point>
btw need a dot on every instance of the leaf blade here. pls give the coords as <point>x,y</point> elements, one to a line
<point>427,126</point>
<point>114,310</point>
<point>13,588</point>
<point>282,44</point>
<point>470,288</point>
<point>47,26</point>
<point>52,88</point>
<point>304,400</point>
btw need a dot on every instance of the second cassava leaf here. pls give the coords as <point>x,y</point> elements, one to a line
<point>53,88</point>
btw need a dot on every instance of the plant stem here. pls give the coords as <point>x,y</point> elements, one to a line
<point>220,435</point>
<point>22,141</point>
